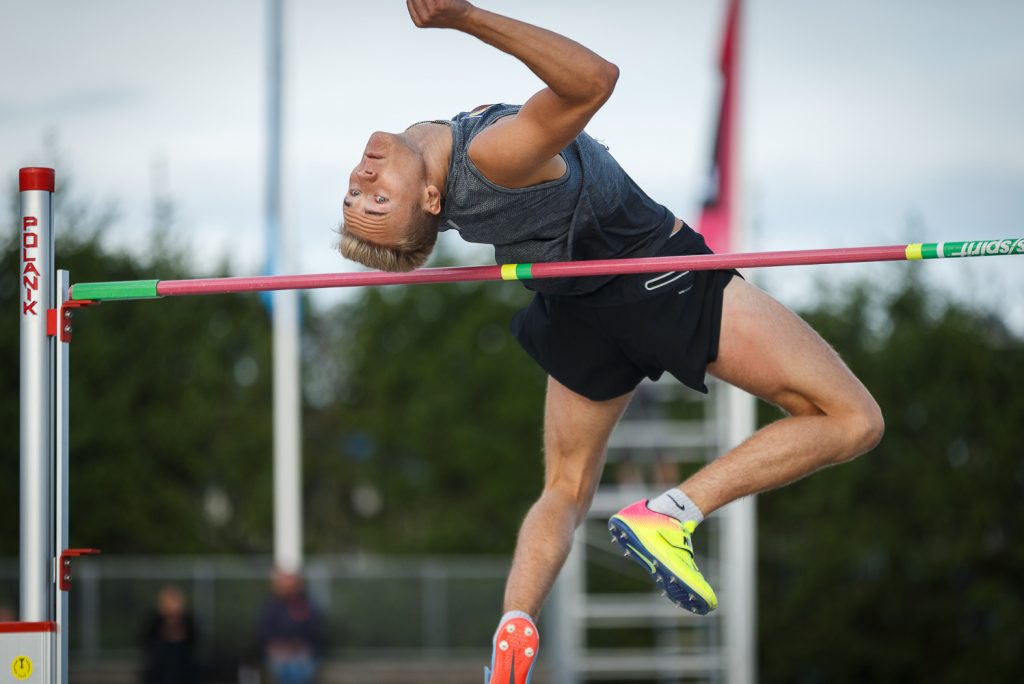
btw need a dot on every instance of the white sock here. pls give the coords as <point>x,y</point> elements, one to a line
<point>676,504</point>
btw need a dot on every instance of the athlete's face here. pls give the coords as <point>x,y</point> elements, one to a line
<point>383,189</point>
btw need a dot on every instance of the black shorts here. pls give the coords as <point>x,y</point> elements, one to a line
<point>601,345</point>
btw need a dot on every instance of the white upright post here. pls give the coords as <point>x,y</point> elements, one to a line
<point>739,552</point>
<point>37,280</point>
<point>564,620</point>
<point>62,405</point>
<point>287,407</point>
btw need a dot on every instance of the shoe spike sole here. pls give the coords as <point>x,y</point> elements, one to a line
<point>674,588</point>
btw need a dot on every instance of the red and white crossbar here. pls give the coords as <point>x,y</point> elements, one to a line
<point>149,289</point>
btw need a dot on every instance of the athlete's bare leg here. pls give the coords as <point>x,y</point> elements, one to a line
<point>768,351</point>
<point>764,349</point>
<point>576,431</point>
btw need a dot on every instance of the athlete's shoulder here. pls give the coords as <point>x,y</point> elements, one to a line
<point>488,112</point>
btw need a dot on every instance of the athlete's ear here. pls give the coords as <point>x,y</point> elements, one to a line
<point>432,200</point>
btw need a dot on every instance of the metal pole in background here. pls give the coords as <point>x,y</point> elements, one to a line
<point>61,476</point>
<point>285,312</point>
<point>739,551</point>
<point>566,631</point>
<point>37,280</point>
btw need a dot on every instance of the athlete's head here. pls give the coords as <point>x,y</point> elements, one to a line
<point>391,210</point>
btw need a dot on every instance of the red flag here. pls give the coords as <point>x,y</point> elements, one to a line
<point>717,216</point>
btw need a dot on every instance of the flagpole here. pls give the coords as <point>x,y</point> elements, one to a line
<point>740,541</point>
<point>287,443</point>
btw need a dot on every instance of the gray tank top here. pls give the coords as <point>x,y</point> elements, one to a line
<point>594,211</point>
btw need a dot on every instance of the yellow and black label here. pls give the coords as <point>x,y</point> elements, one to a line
<point>21,667</point>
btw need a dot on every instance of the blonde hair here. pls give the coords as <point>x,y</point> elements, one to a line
<point>411,252</point>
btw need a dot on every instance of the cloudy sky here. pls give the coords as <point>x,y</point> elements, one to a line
<point>871,122</point>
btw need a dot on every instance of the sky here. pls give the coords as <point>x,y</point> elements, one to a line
<point>875,122</point>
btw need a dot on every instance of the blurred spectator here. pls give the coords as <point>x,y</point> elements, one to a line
<point>7,614</point>
<point>169,639</point>
<point>291,632</point>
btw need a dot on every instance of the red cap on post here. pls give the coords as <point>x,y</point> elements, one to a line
<point>35,178</point>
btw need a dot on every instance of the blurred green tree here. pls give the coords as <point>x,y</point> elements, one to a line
<point>171,410</point>
<point>905,564</point>
<point>428,430</point>
<point>170,401</point>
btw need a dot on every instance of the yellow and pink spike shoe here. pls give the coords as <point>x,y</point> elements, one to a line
<point>661,545</point>
<point>516,644</point>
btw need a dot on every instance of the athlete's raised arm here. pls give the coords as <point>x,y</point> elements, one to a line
<point>521,150</point>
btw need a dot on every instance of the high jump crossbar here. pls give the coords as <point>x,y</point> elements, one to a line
<point>152,289</point>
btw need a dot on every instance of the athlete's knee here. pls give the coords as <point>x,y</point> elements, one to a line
<point>864,428</point>
<point>578,493</point>
<point>872,426</point>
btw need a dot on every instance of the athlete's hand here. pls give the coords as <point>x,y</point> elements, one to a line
<point>438,13</point>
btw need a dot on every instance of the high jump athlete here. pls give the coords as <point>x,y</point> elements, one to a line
<point>529,181</point>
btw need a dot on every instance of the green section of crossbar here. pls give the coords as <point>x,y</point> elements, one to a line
<point>980,248</point>
<point>127,289</point>
<point>974,248</point>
